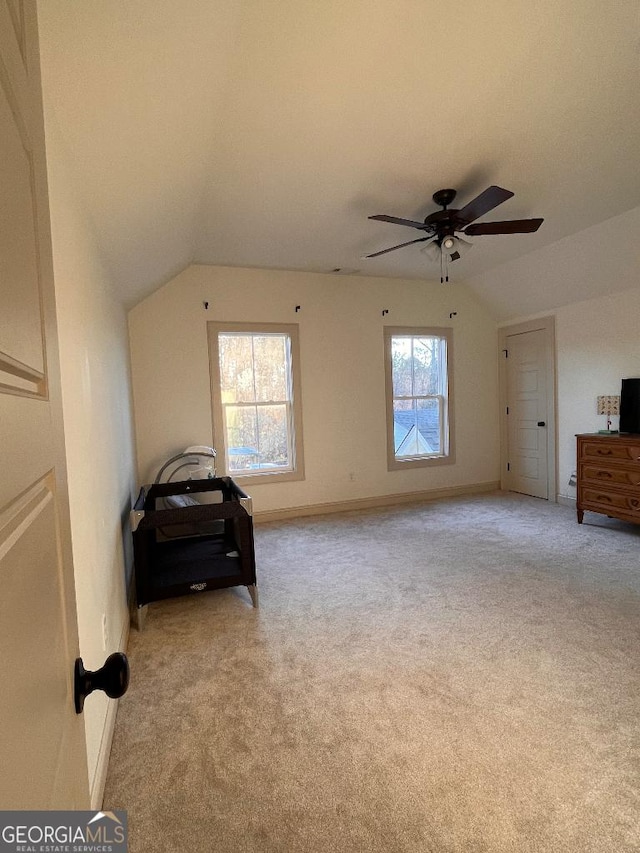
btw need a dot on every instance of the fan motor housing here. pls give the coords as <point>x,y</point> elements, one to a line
<point>443,221</point>
<point>443,198</point>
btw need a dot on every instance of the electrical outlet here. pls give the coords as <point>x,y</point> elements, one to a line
<point>104,632</point>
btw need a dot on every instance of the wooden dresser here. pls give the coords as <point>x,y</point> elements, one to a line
<point>609,475</point>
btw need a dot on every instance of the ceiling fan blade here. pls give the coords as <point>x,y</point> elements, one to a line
<point>393,248</point>
<point>486,201</point>
<point>397,221</point>
<point>512,226</point>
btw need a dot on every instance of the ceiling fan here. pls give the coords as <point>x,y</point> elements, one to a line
<point>442,227</point>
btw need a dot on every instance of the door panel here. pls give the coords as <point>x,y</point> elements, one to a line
<point>42,749</point>
<point>527,406</point>
<point>20,322</point>
<point>28,557</point>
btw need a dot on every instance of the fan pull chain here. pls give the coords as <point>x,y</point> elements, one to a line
<point>444,266</point>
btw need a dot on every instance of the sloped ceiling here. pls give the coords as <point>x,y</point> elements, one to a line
<point>263,133</point>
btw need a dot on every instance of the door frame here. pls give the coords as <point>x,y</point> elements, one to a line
<point>548,326</point>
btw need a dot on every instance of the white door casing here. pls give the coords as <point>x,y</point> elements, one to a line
<point>528,408</point>
<point>526,414</point>
<point>42,742</point>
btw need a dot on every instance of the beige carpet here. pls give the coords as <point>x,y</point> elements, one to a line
<point>461,675</point>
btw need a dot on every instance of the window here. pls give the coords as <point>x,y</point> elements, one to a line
<point>418,384</point>
<point>256,399</point>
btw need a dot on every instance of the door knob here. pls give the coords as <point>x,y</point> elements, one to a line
<point>113,678</point>
<point>541,423</point>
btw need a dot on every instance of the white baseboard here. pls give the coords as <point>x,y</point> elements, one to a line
<point>102,765</point>
<point>374,502</point>
<point>564,500</point>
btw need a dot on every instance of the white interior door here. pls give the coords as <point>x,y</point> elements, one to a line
<point>527,413</point>
<point>42,747</point>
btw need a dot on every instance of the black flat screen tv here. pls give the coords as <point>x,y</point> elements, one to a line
<point>630,406</point>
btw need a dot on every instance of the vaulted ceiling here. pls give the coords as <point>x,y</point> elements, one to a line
<point>263,133</point>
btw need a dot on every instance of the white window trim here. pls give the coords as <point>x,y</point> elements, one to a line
<point>447,457</point>
<point>214,328</point>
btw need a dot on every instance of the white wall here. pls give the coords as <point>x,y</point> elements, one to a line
<point>98,435</point>
<point>594,262</point>
<point>342,368</point>
<point>598,345</point>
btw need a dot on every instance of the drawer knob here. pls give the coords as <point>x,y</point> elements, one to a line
<point>604,498</point>
<point>605,474</point>
<point>607,452</point>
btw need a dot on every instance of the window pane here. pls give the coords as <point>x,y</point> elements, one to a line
<point>273,436</point>
<point>426,369</point>
<point>242,437</point>
<point>401,367</point>
<point>271,367</point>
<point>236,369</point>
<point>428,416</point>
<point>416,427</point>
<point>404,426</point>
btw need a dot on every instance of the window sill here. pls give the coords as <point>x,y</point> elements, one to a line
<point>262,478</point>
<point>425,462</point>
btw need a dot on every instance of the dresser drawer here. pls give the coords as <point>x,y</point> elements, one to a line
<point>613,450</point>
<point>623,477</point>
<point>603,500</point>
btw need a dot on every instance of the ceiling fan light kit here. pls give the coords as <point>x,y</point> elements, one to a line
<point>446,252</point>
<point>442,228</point>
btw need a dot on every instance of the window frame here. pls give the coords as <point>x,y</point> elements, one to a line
<point>214,329</point>
<point>447,454</point>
